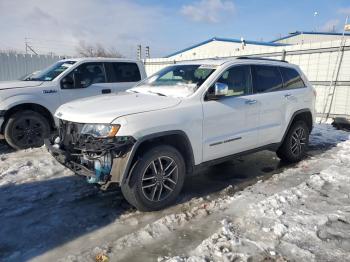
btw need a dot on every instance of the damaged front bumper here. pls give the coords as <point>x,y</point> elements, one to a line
<point>101,160</point>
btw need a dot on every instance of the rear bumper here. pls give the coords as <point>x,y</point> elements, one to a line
<point>71,161</point>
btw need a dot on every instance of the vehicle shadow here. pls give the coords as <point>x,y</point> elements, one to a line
<point>36,217</point>
<point>5,148</point>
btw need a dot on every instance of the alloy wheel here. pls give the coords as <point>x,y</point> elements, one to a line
<point>159,179</point>
<point>298,142</point>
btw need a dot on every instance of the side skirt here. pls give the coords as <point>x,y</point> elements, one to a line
<point>198,168</point>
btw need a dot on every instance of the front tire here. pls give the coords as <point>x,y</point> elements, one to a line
<point>156,179</point>
<point>26,129</point>
<point>295,144</point>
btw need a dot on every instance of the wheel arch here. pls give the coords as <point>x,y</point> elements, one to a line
<point>29,106</point>
<point>176,138</point>
<point>302,114</point>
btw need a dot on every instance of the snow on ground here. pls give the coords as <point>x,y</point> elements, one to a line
<point>250,209</point>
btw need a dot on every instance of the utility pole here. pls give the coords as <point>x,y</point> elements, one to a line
<point>26,44</point>
<point>147,55</point>
<point>28,47</point>
<point>138,52</point>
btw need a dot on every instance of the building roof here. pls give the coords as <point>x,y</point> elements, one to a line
<point>225,40</point>
<point>307,33</point>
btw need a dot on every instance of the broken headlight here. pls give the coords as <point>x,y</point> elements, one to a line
<point>100,130</point>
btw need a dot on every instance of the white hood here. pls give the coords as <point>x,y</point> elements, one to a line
<point>179,90</point>
<point>18,84</point>
<point>106,108</point>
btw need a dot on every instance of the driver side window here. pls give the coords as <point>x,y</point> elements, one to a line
<point>86,75</point>
<point>238,79</point>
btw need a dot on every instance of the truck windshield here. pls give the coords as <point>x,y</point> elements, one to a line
<point>180,75</point>
<point>51,72</point>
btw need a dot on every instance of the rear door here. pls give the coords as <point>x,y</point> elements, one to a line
<point>268,88</point>
<point>122,75</point>
<point>295,90</point>
<point>230,123</point>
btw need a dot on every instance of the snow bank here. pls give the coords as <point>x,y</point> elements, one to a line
<point>293,213</point>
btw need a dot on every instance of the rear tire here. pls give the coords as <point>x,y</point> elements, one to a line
<point>295,144</point>
<point>156,179</point>
<point>26,129</point>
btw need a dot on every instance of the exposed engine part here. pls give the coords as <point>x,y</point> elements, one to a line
<point>86,155</point>
<point>103,166</point>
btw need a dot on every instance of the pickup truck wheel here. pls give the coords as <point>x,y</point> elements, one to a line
<point>295,144</point>
<point>26,129</point>
<point>156,179</point>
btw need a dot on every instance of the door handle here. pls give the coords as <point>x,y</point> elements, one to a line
<point>288,96</point>
<point>251,102</point>
<point>106,91</point>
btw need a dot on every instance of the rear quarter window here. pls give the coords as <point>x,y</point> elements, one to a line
<point>291,78</point>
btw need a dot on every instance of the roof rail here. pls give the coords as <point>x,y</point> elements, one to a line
<point>261,58</point>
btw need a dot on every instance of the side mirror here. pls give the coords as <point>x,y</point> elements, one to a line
<point>221,89</point>
<point>67,82</point>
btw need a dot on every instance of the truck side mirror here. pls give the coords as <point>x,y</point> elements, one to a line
<point>67,82</point>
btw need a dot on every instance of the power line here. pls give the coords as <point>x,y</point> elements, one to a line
<point>29,47</point>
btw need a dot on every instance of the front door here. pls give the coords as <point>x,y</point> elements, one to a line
<point>230,123</point>
<point>90,80</point>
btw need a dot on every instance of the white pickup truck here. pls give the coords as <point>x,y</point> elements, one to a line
<point>27,106</point>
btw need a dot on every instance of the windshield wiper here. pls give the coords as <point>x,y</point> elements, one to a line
<point>152,92</point>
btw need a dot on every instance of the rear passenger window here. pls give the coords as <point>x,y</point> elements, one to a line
<point>266,79</point>
<point>291,78</point>
<point>123,72</point>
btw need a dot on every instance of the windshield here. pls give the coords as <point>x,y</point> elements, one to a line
<point>50,73</point>
<point>189,75</point>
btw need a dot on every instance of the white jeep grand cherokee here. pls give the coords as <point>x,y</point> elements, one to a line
<point>185,117</point>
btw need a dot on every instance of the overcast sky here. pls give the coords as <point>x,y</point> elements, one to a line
<point>166,26</point>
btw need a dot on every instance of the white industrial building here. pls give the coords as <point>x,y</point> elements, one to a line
<point>299,38</point>
<point>217,45</point>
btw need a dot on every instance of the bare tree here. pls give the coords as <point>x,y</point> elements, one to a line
<point>97,50</point>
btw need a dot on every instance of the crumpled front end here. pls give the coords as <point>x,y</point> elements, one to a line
<point>101,160</point>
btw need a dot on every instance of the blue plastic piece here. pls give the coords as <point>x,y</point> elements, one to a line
<point>102,167</point>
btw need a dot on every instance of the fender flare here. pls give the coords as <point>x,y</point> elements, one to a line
<point>295,114</point>
<point>124,175</point>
